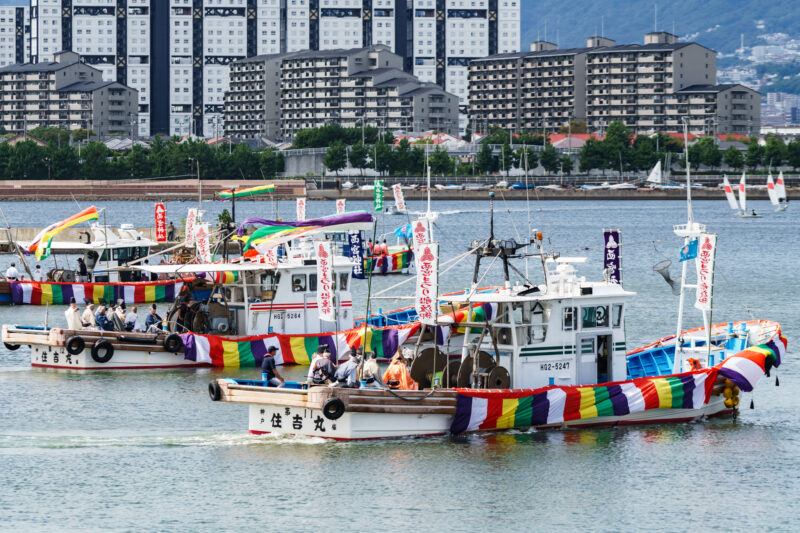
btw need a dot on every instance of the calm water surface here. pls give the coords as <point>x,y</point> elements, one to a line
<point>150,451</point>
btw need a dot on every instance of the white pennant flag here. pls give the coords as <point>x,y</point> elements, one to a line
<point>399,201</point>
<point>706,249</point>
<point>301,209</point>
<point>271,257</point>
<point>340,206</point>
<point>202,241</point>
<point>427,283</point>
<point>325,281</point>
<point>191,218</point>
<point>421,231</point>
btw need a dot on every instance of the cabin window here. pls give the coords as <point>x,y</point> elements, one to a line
<point>312,283</point>
<point>538,321</point>
<point>269,285</point>
<point>569,318</point>
<point>594,317</point>
<point>299,283</point>
<point>616,315</point>
<point>343,282</point>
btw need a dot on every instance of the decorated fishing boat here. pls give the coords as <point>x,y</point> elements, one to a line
<point>102,250</point>
<point>546,355</point>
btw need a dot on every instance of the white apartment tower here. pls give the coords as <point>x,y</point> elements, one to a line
<point>176,52</point>
<point>15,30</point>
<point>448,34</point>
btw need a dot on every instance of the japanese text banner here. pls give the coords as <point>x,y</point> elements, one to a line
<point>427,283</point>
<point>325,281</point>
<point>704,261</point>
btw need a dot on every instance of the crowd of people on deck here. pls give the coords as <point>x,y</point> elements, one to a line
<point>112,317</point>
<point>351,373</point>
<point>378,249</point>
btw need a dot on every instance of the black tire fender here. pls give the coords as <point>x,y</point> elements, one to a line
<point>214,391</point>
<point>333,409</point>
<point>173,343</point>
<point>11,347</point>
<point>106,347</point>
<point>75,345</point>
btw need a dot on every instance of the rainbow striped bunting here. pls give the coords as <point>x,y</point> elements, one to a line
<point>292,349</point>
<point>41,293</point>
<point>386,264</point>
<point>224,277</point>
<point>746,367</point>
<point>502,409</point>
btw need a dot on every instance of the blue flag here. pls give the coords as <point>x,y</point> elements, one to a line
<point>404,232</point>
<point>689,251</point>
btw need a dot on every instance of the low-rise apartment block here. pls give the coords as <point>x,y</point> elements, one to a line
<point>65,93</point>
<point>730,108</point>
<point>366,86</point>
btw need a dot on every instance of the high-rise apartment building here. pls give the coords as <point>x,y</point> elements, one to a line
<point>281,94</point>
<point>447,34</point>
<point>15,30</point>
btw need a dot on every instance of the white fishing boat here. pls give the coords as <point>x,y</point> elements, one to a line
<point>550,355</point>
<point>743,200</point>
<point>777,193</point>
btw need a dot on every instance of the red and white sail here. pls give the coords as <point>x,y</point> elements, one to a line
<point>729,194</point>
<point>742,194</point>
<point>771,191</point>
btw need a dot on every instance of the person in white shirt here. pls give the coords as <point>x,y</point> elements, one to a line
<point>12,274</point>
<point>73,316</point>
<point>37,274</point>
<point>87,318</point>
<point>132,320</point>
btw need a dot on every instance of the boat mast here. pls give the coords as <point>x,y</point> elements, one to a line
<point>678,361</point>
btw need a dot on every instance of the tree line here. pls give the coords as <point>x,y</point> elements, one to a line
<point>59,159</point>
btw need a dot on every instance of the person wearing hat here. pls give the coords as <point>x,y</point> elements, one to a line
<point>269,371</point>
<point>314,358</point>
<point>37,274</point>
<point>397,376</point>
<point>153,322</point>
<point>12,274</point>
<point>87,318</point>
<point>346,374</point>
<point>370,373</point>
<point>324,369</point>
<point>83,272</point>
<point>73,316</point>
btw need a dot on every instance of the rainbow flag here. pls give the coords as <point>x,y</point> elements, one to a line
<point>273,232</point>
<point>41,243</point>
<point>227,194</point>
<point>292,349</point>
<point>41,293</point>
<point>746,367</point>
<point>386,264</point>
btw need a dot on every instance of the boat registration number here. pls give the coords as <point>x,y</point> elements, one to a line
<point>564,365</point>
<point>288,316</point>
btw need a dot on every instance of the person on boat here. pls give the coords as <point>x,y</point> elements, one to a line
<point>87,318</point>
<point>346,374</point>
<point>153,322</point>
<point>370,373</point>
<point>83,272</point>
<point>12,274</point>
<point>371,247</point>
<point>324,370</point>
<point>132,320</point>
<point>754,213</point>
<point>180,320</point>
<point>170,232</point>
<point>397,375</point>
<point>117,321</point>
<point>314,358</point>
<point>73,316</point>
<point>383,248</point>
<point>269,371</point>
<point>102,319</point>
<point>37,274</point>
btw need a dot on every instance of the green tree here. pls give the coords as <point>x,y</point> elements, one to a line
<point>793,154</point>
<point>733,158</point>
<point>524,155</point>
<point>82,134</point>
<point>617,145</point>
<point>382,157</point>
<point>245,161</point>
<point>575,126</point>
<point>27,161</point>
<point>137,163</point>
<point>566,164</point>
<point>417,161</point>
<point>335,159</point>
<point>95,161</point>
<point>487,162</point>
<point>268,163</point>
<point>754,155</point>
<point>506,157</point>
<point>591,156</point>
<point>358,156</point>
<point>65,163</point>
<point>774,152</point>
<point>401,157</point>
<point>441,162</point>
<point>6,151</point>
<point>549,159</point>
<point>643,153</point>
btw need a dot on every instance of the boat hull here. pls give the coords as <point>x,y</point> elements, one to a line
<point>57,357</point>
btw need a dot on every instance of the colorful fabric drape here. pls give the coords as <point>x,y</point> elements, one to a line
<point>41,243</point>
<point>41,293</point>
<point>387,264</point>
<point>227,194</point>
<point>274,232</point>
<point>292,349</point>
<point>224,277</point>
<point>500,409</point>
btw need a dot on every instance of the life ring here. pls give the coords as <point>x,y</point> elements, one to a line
<point>214,391</point>
<point>173,343</point>
<point>75,345</point>
<point>11,347</point>
<point>106,347</point>
<point>333,409</point>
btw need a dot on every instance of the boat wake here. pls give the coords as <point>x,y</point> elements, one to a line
<point>57,442</point>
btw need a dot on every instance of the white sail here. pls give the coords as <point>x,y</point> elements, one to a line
<point>780,187</point>
<point>742,194</point>
<point>729,194</point>
<point>655,174</point>
<point>773,194</point>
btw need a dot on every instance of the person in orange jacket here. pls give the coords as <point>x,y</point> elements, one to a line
<point>397,376</point>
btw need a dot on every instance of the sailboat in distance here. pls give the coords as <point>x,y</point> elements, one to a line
<point>780,194</point>
<point>743,200</point>
<point>730,195</point>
